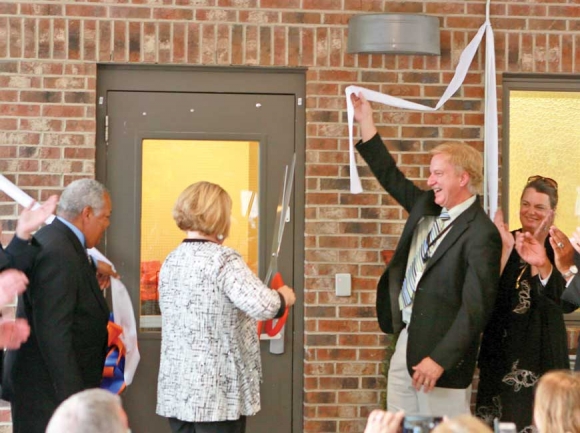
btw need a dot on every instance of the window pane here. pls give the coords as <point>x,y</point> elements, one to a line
<point>169,166</point>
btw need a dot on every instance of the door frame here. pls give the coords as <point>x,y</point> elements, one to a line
<point>211,79</point>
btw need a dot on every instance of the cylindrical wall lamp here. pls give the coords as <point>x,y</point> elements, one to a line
<point>393,34</point>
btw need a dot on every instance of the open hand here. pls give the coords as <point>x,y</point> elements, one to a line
<point>426,375</point>
<point>30,219</point>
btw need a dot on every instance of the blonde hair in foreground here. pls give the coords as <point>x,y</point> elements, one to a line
<point>464,158</point>
<point>204,207</point>
<point>557,402</point>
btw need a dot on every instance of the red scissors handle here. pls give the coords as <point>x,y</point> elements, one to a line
<point>273,330</point>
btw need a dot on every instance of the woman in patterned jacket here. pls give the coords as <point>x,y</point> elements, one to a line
<point>210,370</point>
<point>526,335</point>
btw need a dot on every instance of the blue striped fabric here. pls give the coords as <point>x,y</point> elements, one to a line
<point>418,265</point>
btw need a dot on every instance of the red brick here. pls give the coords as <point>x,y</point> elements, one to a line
<point>62,111</point>
<point>89,32</point>
<point>172,14</point>
<point>15,26</point>
<point>19,110</point>
<point>104,37</point>
<point>179,42</point>
<point>8,8</point>
<point>134,42</point>
<point>208,41</point>
<point>149,42</point>
<point>322,46</point>
<point>120,43</point>
<point>129,12</point>
<point>164,42</point>
<point>4,29</point>
<point>301,18</point>
<point>266,41</point>
<point>84,10</point>
<point>237,45</point>
<point>39,180</point>
<point>320,426</point>
<point>29,36</point>
<point>226,3</point>
<point>359,397</point>
<point>325,5</point>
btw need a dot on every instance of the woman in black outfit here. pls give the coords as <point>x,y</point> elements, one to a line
<point>526,335</point>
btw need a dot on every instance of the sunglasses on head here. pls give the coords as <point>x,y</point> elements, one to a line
<point>547,180</point>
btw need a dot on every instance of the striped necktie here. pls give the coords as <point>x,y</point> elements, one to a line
<point>415,270</point>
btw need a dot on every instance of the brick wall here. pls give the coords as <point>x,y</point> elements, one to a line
<point>48,55</point>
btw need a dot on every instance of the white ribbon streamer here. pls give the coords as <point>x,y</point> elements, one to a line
<point>490,126</point>
<point>122,306</point>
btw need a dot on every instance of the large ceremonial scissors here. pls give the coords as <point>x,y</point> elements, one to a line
<point>273,277</point>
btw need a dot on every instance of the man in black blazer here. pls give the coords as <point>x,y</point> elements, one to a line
<point>455,289</point>
<point>66,310</point>
<point>566,259</point>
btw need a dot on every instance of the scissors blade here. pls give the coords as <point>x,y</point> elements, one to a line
<point>281,212</point>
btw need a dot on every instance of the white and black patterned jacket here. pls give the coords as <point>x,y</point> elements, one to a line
<point>210,353</point>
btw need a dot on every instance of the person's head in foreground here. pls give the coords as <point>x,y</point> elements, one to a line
<point>90,411</point>
<point>557,402</point>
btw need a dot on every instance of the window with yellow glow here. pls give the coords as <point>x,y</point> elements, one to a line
<point>169,166</point>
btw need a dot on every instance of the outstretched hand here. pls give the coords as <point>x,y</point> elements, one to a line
<point>30,219</point>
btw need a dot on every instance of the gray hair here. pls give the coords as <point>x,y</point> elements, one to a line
<point>90,411</point>
<point>80,194</point>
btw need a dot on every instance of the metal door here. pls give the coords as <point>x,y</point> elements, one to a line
<point>135,118</point>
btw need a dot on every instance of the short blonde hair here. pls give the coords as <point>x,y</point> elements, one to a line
<point>462,424</point>
<point>204,207</point>
<point>557,402</point>
<point>464,158</point>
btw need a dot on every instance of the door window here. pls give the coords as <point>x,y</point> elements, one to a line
<point>169,166</point>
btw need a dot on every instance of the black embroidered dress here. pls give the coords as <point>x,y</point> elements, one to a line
<point>525,338</point>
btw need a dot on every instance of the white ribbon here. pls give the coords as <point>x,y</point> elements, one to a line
<point>122,306</point>
<point>490,126</point>
<point>124,317</point>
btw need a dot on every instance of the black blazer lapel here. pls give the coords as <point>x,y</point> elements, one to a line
<point>460,225</point>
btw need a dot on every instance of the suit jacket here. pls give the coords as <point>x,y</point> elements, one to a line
<point>19,254</point>
<point>457,291</point>
<point>572,294</point>
<point>68,317</point>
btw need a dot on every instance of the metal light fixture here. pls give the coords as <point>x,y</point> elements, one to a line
<point>393,34</point>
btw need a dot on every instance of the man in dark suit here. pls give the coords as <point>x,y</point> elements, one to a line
<point>440,286</point>
<point>66,310</point>
<point>566,259</point>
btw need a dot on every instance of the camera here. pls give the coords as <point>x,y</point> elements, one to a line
<point>420,423</point>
